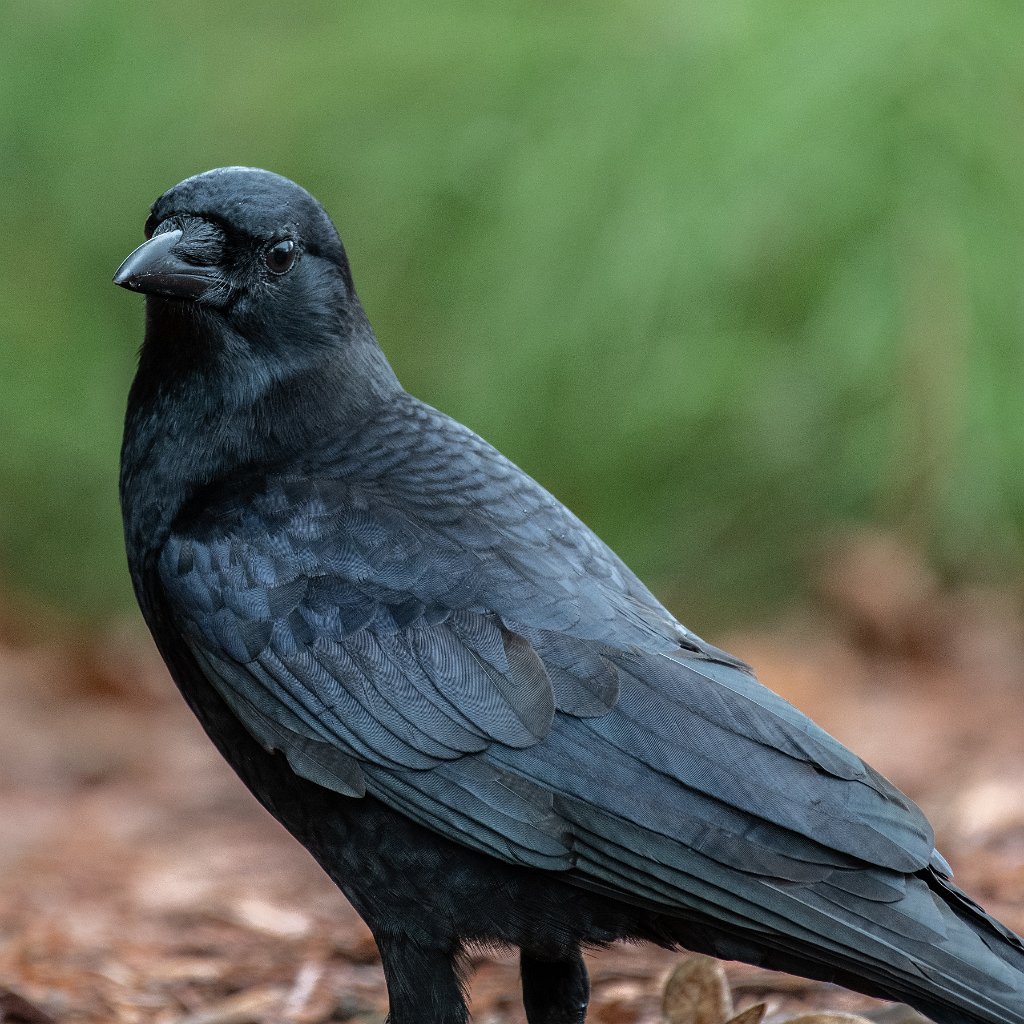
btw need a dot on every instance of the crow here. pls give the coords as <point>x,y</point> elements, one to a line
<point>476,718</point>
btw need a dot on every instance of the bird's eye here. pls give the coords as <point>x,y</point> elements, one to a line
<point>280,257</point>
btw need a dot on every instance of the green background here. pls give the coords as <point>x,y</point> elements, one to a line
<point>725,277</point>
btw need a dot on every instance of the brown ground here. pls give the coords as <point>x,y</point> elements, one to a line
<point>140,882</point>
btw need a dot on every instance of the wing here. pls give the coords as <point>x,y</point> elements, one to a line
<point>461,670</point>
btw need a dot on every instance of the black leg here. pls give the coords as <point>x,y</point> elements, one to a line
<point>555,991</point>
<point>423,983</point>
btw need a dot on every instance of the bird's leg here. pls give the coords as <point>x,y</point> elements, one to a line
<point>423,983</point>
<point>555,991</point>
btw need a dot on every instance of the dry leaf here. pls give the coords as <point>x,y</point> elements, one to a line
<point>751,1015</point>
<point>697,993</point>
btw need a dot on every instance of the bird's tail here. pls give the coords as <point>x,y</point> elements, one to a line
<point>927,944</point>
<point>936,950</point>
<point>991,985</point>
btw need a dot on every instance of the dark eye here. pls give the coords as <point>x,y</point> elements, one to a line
<point>280,257</point>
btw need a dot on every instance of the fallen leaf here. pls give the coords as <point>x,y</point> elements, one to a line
<point>751,1015</point>
<point>697,993</point>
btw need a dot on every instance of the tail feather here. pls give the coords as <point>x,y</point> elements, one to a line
<point>934,949</point>
<point>973,972</point>
<point>1000,997</point>
<point>1001,936</point>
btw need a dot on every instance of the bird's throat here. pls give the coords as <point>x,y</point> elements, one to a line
<point>207,405</point>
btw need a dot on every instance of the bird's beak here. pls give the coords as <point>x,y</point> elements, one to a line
<point>154,269</point>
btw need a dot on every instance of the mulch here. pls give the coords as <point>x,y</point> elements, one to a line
<point>139,881</point>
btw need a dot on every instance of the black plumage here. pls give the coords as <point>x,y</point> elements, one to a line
<point>468,709</point>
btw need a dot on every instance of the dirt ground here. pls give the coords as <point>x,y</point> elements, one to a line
<point>139,882</point>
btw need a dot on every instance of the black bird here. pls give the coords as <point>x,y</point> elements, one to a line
<point>482,725</point>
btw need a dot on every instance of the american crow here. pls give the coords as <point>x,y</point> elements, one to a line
<point>453,694</point>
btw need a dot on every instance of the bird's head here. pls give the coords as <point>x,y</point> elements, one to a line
<point>244,252</point>
<point>254,334</point>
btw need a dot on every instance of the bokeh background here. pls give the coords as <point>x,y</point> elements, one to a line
<point>741,282</point>
<point>722,276</point>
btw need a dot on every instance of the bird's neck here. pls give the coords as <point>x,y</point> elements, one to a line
<point>205,408</point>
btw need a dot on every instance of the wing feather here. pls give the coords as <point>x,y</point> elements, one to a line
<point>482,663</point>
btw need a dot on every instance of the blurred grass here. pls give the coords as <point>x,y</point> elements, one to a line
<point>721,276</point>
